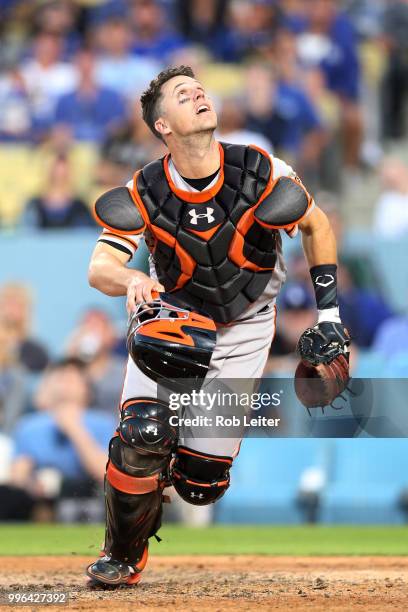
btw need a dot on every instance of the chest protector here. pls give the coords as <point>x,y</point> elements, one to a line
<point>216,249</point>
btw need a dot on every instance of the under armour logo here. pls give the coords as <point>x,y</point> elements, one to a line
<point>207,215</point>
<point>151,429</point>
<point>324,283</point>
<point>198,495</point>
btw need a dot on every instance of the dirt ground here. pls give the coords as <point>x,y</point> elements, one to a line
<point>201,584</point>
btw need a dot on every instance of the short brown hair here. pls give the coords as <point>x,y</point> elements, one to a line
<point>151,97</point>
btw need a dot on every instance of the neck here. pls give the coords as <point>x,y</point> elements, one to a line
<point>196,156</point>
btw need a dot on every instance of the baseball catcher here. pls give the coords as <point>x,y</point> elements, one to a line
<point>211,215</point>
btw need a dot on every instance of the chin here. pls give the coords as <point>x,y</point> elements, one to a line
<point>209,125</point>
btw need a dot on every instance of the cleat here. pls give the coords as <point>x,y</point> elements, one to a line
<point>110,572</point>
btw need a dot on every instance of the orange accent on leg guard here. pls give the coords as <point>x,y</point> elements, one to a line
<point>130,484</point>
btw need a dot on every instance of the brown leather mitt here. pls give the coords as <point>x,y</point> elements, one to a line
<point>323,372</point>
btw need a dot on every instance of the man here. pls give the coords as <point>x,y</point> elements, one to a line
<point>210,214</point>
<point>63,436</point>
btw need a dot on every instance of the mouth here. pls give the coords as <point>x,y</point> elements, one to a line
<point>203,108</point>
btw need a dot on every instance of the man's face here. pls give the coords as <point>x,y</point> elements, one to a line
<point>185,109</point>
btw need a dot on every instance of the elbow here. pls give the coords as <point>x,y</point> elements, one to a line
<point>93,277</point>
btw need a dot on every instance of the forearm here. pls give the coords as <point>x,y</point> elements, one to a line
<point>111,276</point>
<point>319,243</point>
<point>92,457</point>
<point>21,472</point>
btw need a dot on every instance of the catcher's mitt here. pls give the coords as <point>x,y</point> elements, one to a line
<point>323,372</point>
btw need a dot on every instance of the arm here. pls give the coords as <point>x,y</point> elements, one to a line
<point>108,273</point>
<point>318,240</point>
<point>21,471</point>
<point>92,457</point>
<point>68,420</point>
<point>319,245</point>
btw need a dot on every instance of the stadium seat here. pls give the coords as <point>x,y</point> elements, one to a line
<point>265,479</point>
<point>364,484</point>
<point>369,365</point>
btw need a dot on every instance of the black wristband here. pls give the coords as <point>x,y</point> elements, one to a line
<point>324,279</point>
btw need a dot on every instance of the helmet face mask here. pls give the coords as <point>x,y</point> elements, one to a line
<point>171,343</point>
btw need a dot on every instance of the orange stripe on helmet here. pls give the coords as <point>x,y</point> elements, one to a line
<point>167,329</point>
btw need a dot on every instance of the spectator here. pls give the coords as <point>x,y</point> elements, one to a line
<point>58,207</point>
<point>6,451</point>
<point>203,22</point>
<point>12,391</point>
<point>152,38</point>
<point>93,342</point>
<point>359,265</point>
<point>290,74</point>
<point>129,147</point>
<point>114,39</point>
<point>328,41</point>
<point>46,77</point>
<point>253,24</point>
<point>91,111</point>
<point>15,116</point>
<point>231,126</point>
<point>63,436</point>
<point>391,212</point>
<point>362,311</point>
<point>367,16</point>
<point>16,311</point>
<point>395,89</point>
<point>328,145</point>
<point>59,17</point>
<point>281,112</point>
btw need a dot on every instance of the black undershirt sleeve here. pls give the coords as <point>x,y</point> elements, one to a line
<point>115,245</point>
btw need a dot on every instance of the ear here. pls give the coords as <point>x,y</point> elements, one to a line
<point>162,126</point>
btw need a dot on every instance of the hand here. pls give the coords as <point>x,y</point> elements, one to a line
<point>323,343</point>
<point>140,290</point>
<point>67,417</point>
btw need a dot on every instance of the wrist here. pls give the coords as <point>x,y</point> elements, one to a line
<point>329,315</point>
<point>324,279</point>
<point>135,277</point>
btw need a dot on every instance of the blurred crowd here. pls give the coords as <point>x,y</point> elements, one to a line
<point>57,412</point>
<point>321,83</point>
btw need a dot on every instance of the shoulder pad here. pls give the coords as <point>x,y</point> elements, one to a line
<point>116,210</point>
<point>285,205</point>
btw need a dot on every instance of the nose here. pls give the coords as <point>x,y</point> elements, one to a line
<point>198,94</point>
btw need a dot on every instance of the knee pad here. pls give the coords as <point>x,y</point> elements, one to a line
<point>200,478</point>
<point>143,445</point>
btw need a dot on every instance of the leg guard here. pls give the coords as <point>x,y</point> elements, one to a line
<point>136,474</point>
<point>200,478</point>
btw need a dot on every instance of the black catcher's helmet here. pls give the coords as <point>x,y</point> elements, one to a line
<point>170,341</point>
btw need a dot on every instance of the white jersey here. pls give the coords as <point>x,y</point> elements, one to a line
<point>129,243</point>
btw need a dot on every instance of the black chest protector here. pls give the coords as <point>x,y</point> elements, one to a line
<point>215,249</point>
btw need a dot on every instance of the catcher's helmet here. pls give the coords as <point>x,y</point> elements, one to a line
<point>170,341</point>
